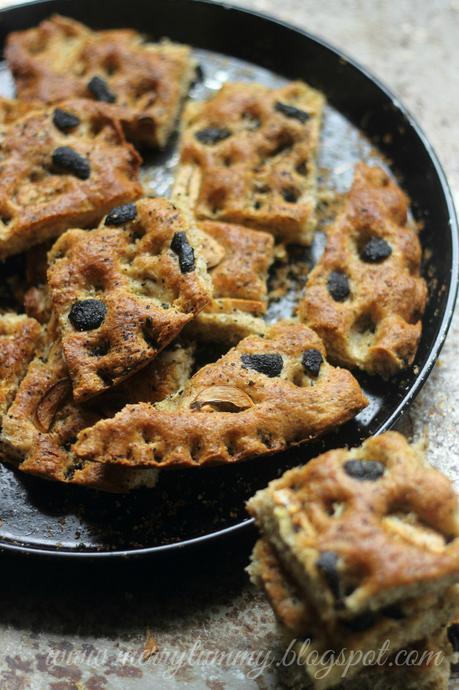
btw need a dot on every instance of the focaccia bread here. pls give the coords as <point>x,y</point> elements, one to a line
<point>19,338</point>
<point>248,157</point>
<point>391,628</point>
<point>241,271</point>
<point>262,396</point>
<point>361,529</point>
<point>238,263</point>
<point>144,83</point>
<point>43,420</point>
<point>55,177</point>
<point>365,297</point>
<point>124,291</point>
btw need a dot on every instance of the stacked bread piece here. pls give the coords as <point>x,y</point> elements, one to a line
<point>359,558</point>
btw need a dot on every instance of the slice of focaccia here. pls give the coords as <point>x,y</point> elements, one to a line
<point>43,420</point>
<point>391,628</point>
<point>124,291</point>
<point>365,297</point>
<point>57,175</point>
<point>145,83</point>
<point>19,339</point>
<point>262,396</point>
<point>362,529</point>
<point>248,157</point>
<point>238,268</point>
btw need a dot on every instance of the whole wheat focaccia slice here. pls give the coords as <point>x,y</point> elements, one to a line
<point>248,157</point>
<point>365,297</point>
<point>391,628</point>
<point>124,291</point>
<point>144,83</point>
<point>262,396</point>
<point>238,264</point>
<point>12,109</point>
<point>43,420</point>
<point>57,175</point>
<point>19,338</point>
<point>362,529</point>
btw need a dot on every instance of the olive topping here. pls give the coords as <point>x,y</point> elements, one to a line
<point>270,365</point>
<point>327,563</point>
<point>393,611</point>
<point>67,160</point>
<point>87,314</point>
<point>64,120</point>
<point>338,286</point>
<point>364,470</point>
<point>292,112</point>
<point>212,135</point>
<point>184,251</point>
<point>99,88</point>
<point>375,250</point>
<point>312,360</point>
<point>121,215</point>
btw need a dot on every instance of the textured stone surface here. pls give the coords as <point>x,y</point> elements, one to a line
<point>71,627</point>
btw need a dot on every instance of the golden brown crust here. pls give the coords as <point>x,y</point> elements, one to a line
<point>387,539</point>
<point>378,326</point>
<point>230,411</point>
<point>57,59</point>
<point>43,420</point>
<point>132,271</point>
<point>19,338</point>
<point>39,201</point>
<point>262,173</point>
<point>12,109</point>
<point>242,271</point>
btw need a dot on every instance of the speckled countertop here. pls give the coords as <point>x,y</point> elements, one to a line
<point>86,627</point>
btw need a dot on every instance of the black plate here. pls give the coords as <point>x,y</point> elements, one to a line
<point>189,507</point>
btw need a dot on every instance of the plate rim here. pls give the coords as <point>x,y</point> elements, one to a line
<point>16,547</point>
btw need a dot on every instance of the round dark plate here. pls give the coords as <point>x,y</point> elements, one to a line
<point>189,507</point>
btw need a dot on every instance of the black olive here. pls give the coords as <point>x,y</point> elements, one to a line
<point>360,623</point>
<point>87,314</point>
<point>270,365</point>
<point>312,360</point>
<point>292,112</point>
<point>121,214</point>
<point>375,250</point>
<point>67,160</point>
<point>64,120</point>
<point>364,470</point>
<point>99,88</point>
<point>327,563</point>
<point>184,251</point>
<point>338,286</point>
<point>212,135</point>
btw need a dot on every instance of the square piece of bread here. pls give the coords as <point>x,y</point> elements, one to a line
<point>55,177</point>
<point>144,83</point>
<point>124,291</point>
<point>44,420</point>
<point>248,157</point>
<point>355,640</point>
<point>264,395</point>
<point>361,529</point>
<point>365,297</point>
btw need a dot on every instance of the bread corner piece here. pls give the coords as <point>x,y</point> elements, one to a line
<point>124,291</point>
<point>143,83</point>
<point>359,552</point>
<point>248,156</point>
<point>62,167</point>
<point>264,395</point>
<point>365,297</point>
